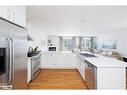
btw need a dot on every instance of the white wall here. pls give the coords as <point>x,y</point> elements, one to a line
<point>40,39</point>
<point>120,35</point>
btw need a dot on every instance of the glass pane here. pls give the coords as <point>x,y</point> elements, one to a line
<point>2,60</point>
<point>67,44</point>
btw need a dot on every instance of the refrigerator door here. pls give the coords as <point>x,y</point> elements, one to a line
<point>16,54</point>
<point>19,57</point>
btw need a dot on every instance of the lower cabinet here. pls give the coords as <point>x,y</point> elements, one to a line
<point>58,61</point>
<point>81,66</point>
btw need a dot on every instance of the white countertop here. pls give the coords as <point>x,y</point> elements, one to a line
<point>105,62</point>
<point>57,52</point>
<point>99,61</point>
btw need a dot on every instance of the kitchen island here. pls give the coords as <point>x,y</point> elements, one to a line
<point>106,73</point>
<point>102,72</point>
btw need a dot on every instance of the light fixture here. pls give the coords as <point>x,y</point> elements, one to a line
<point>42,20</point>
<point>82,20</point>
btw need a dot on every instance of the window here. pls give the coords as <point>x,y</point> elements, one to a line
<point>86,43</point>
<point>67,43</point>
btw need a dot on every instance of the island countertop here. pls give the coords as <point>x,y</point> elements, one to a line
<point>105,62</point>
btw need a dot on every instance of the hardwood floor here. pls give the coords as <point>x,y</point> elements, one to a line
<point>58,79</point>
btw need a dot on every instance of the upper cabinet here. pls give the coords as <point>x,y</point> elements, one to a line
<point>16,14</point>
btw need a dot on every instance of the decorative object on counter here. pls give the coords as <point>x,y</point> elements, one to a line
<point>30,49</point>
<point>33,53</point>
<point>35,49</point>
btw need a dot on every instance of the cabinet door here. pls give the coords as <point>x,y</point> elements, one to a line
<point>83,70</point>
<point>77,62</point>
<point>20,15</point>
<point>3,29</point>
<point>5,12</point>
<point>15,14</point>
<point>80,69</point>
<point>52,60</point>
<point>1,11</point>
<point>43,61</point>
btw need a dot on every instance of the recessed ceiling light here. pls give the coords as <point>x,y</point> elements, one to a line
<point>82,20</point>
<point>42,20</point>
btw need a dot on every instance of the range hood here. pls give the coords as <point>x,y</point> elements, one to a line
<point>29,38</point>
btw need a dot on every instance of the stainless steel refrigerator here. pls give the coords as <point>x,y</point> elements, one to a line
<point>13,55</point>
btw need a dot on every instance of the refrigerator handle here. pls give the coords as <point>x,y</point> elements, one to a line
<point>12,42</point>
<point>10,60</point>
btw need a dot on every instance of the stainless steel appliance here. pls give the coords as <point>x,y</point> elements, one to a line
<point>36,61</point>
<point>13,55</point>
<point>90,75</point>
<point>51,48</point>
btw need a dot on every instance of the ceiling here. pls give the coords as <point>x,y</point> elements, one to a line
<point>77,20</point>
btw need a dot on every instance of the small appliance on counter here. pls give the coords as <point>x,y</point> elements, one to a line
<point>51,48</point>
<point>33,51</point>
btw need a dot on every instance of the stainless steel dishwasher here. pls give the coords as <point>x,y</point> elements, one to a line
<point>90,75</point>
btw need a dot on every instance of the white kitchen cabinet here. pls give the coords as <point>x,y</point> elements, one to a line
<point>43,60</point>
<point>78,63</point>
<point>15,14</point>
<point>111,78</point>
<point>83,69</point>
<point>20,15</point>
<point>81,66</point>
<point>1,11</point>
<point>58,61</point>
<point>5,12</point>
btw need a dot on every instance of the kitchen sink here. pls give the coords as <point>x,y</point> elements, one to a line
<point>87,55</point>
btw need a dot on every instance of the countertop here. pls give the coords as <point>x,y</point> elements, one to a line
<point>57,52</point>
<point>105,62</point>
<point>99,61</point>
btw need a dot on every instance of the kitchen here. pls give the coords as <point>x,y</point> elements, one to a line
<point>63,47</point>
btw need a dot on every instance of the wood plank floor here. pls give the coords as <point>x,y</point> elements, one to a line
<point>58,79</point>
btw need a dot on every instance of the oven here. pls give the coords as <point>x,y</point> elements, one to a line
<point>35,61</point>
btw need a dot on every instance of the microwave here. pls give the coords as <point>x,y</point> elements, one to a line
<point>52,48</point>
